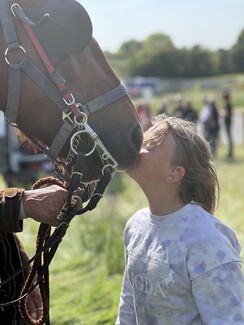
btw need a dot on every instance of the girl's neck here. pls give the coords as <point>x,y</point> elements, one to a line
<point>165,208</point>
<point>163,202</point>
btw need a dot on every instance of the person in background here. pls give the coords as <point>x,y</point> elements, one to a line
<point>185,110</point>
<point>179,109</point>
<point>190,114</point>
<point>183,265</point>
<point>210,120</point>
<point>228,111</point>
<point>145,116</point>
<point>162,109</point>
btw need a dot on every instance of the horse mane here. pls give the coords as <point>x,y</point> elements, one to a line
<point>25,142</point>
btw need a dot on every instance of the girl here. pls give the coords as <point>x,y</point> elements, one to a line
<point>183,265</point>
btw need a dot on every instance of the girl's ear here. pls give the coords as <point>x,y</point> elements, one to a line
<point>176,175</point>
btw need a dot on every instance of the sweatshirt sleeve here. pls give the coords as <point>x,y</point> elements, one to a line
<point>126,314</point>
<point>10,199</point>
<point>219,295</point>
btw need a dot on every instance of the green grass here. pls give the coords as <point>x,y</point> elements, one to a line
<point>231,204</point>
<point>86,272</point>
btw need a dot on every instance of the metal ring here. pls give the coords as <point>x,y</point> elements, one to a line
<point>83,119</point>
<point>17,48</point>
<point>105,156</point>
<point>72,146</point>
<point>108,166</point>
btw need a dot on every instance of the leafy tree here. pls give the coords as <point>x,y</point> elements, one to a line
<point>158,43</point>
<point>201,62</point>
<point>129,48</point>
<point>157,56</point>
<point>238,53</point>
<point>161,64</point>
<point>224,62</point>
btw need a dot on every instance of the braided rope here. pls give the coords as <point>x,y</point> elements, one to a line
<point>42,237</point>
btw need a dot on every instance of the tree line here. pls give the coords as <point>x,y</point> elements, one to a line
<point>157,56</point>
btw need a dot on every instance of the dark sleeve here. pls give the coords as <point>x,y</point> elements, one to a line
<point>10,200</point>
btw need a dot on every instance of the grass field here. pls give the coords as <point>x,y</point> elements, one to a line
<point>86,273</point>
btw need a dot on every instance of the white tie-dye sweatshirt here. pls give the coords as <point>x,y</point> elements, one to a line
<point>181,269</point>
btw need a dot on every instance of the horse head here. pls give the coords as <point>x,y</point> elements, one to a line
<point>92,114</point>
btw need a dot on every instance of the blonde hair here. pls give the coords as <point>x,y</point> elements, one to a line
<point>200,182</point>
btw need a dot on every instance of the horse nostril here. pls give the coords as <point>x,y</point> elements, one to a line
<point>137,137</point>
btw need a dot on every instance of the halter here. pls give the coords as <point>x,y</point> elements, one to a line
<point>75,125</point>
<point>74,115</point>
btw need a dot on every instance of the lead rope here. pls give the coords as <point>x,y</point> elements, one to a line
<point>33,278</point>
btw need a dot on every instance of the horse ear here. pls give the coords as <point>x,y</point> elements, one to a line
<point>67,30</point>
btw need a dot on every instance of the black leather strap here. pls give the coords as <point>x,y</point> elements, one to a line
<point>12,108</point>
<point>8,26</point>
<point>14,74</point>
<point>104,100</point>
<point>60,140</point>
<point>43,83</point>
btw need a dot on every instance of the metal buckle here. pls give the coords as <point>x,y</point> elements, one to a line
<point>13,6</point>
<point>71,101</point>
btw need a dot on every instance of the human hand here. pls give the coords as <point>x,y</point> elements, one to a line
<point>44,204</point>
<point>34,304</point>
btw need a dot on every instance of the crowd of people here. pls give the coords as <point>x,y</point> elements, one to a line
<point>208,118</point>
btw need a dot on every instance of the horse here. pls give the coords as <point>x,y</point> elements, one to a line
<point>87,74</point>
<point>59,90</point>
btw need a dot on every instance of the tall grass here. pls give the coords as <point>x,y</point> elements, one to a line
<point>231,204</point>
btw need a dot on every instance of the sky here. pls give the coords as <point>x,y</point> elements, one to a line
<point>213,24</point>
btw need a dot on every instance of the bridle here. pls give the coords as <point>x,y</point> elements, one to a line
<point>75,115</point>
<point>75,125</point>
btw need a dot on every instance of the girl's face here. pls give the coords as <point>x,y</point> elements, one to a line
<point>154,165</point>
